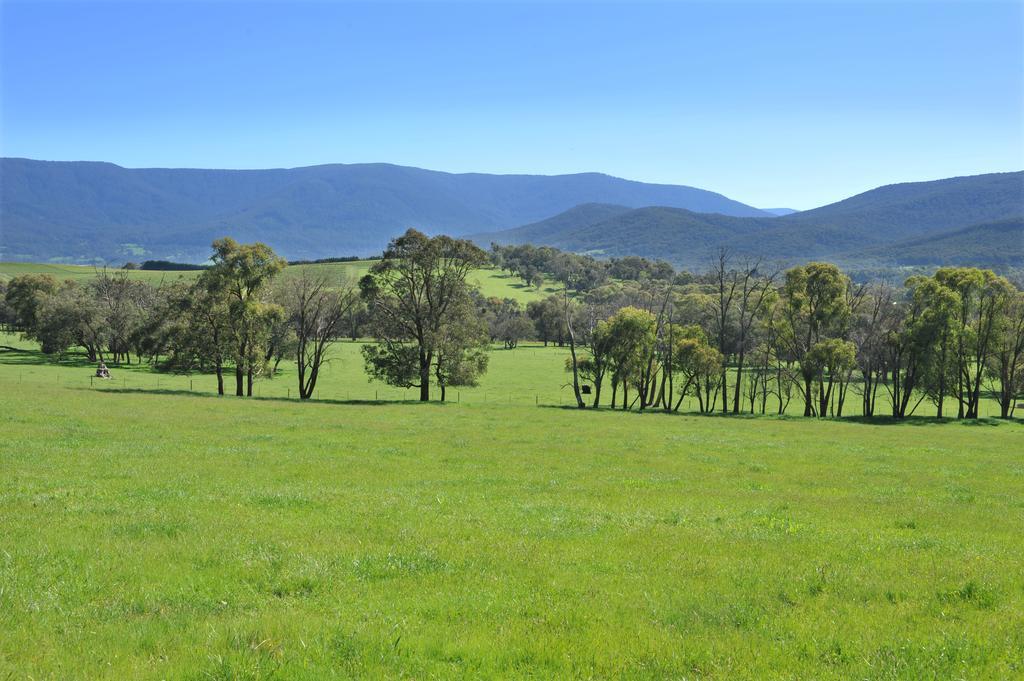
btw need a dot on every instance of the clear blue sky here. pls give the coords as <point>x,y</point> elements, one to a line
<point>774,104</point>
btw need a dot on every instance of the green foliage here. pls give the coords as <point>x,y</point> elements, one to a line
<point>241,274</point>
<point>25,294</point>
<point>394,363</point>
<point>418,298</point>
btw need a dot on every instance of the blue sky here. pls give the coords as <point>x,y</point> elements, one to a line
<point>774,104</point>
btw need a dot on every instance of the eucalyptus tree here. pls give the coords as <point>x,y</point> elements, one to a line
<point>24,296</point>
<point>913,344</point>
<point>871,329</point>
<point>548,319</point>
<point>462,346</point>
<point>68,317</point>
<point>416,290</point>
<point>831,360</point>
<point>1006,363</point>
<point>242,274</point>
<point>570,310</point>
<point>983,297</point>
<point>506,320</point>
<point>594,366</point>
<point>315,311</point>
<point>815,307</point>
<point>633,334</point>
<point>756,296</point>
<point>726,284</point>
<point>197,333</point>
<point>123,303</point>
<point>6,313</point>
<point>699,365</point>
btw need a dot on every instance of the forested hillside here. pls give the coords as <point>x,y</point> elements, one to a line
<point>995,244</point>
<point>868,229</point>
<point>81,212</point>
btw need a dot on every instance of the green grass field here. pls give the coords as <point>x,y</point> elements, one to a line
<point>149,529</point>
<point>492,282</point>
<point>528,375</point>
<point>177,536</point>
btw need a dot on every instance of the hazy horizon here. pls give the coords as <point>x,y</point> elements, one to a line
<point>442,170</point>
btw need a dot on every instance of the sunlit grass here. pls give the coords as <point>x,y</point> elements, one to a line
<point>491,281</point>
<point>177,536</point>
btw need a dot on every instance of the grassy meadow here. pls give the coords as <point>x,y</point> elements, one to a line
<point>530,374</point>
<point>153,530</point>
<point>492,282</point>
<point>148,535</point>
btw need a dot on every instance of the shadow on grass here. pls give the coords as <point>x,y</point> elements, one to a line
<point>254,398</point>
<point>27,357</point>
<point>862,420</point>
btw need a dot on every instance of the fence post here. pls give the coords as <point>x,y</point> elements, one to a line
<point>536,401</point>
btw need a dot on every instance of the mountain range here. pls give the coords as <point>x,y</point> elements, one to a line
<point>973,220</point>
<point>101,212</point>
<point>85,211</point>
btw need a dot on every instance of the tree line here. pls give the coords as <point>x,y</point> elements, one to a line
<point>747,338</point>
<point>743,337</point>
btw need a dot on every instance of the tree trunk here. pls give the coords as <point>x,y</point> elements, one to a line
<point>425,360</point>
<point>739,382</point>
<point>572,351</point>
<point>220,379</point>
<point>239,381</point>
<point>725,390</point>
<point>248,383</point>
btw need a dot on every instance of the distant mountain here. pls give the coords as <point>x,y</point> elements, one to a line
<point>920,208</point>
<point>855,231</point>
<point>553,230</point>
<point>673,234</point>
<point>779,211</point>
<point>993,244</point>
<point>81,211</point>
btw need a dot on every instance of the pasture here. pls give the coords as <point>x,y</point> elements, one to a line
<point>491,281</point>
<point>530,374</point>
<point>154,530</point>
<point>149,536</point>
<point>156,535</point>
